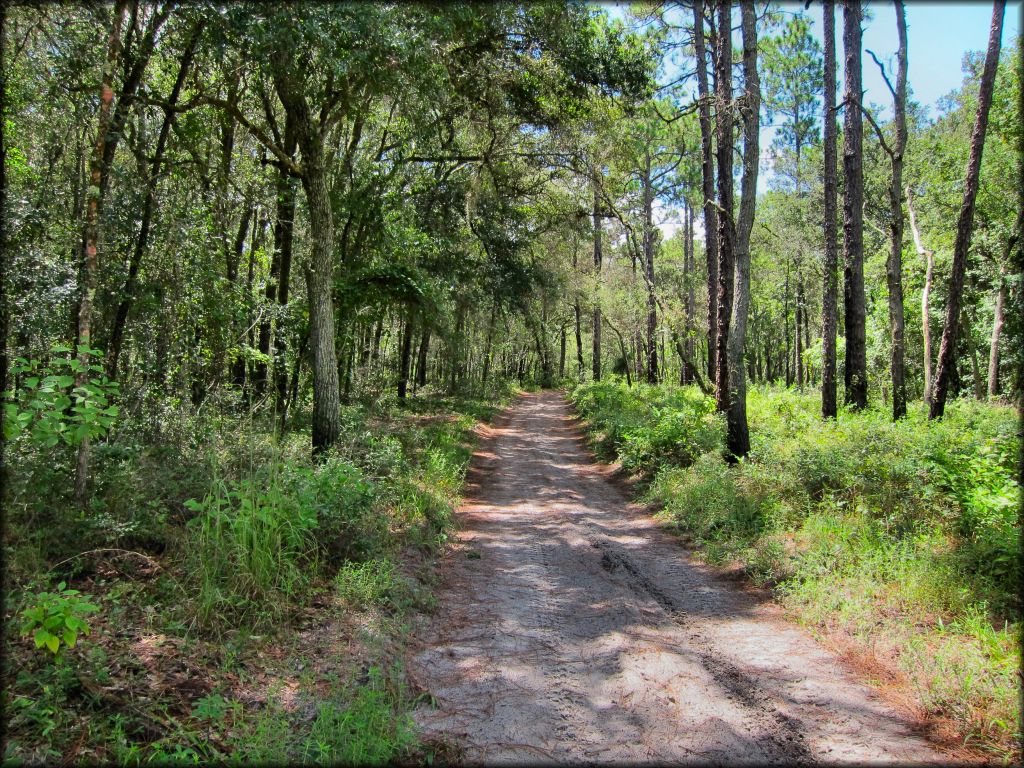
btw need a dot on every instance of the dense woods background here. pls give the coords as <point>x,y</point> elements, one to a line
<point>265,264</point>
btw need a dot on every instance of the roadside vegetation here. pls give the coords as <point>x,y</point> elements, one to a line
<point>903,539</point>
<point>225,597</point>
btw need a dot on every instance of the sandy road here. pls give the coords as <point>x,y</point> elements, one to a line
<point>571,629</point>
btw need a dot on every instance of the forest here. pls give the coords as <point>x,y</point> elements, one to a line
<point>271,272</point>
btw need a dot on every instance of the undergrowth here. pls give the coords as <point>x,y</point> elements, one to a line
<point>904,537</point>
<point>252,602</point>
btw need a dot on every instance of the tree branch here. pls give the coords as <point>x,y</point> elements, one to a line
<point>287,162</point>
<point>878,132</point>
<point>882,70</point>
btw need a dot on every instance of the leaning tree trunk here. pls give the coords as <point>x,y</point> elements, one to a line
<point>738,439</point>
<point>98,170</point>
<point>853,214</point>
<point>707,185</point>
<point>965,221</point>
<point>894,266</point>
<point>726,225</point>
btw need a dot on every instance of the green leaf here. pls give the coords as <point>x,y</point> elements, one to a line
<point>53,643</point>
<point>42,637</point>
<point>70,637</point>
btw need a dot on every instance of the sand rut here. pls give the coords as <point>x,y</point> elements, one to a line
<point>571,629</point>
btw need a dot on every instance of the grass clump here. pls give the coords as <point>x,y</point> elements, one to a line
<point>902,536</point>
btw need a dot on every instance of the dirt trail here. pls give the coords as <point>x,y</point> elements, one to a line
<point>571,628</point>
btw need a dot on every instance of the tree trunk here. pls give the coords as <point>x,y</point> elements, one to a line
<point>580,365</point>
<point>972,350</point>
<point>894,265</point>
<point>405,358</point>
<point>98,170</point>
<point>785,327</point>
<point>326,403</point>
<point>965,221</point>
<point>561,354</point>
<point>648,245</point>
<point>800,321</point>
<point>596,361</point>
<point>853,213</point>
<point>997,330</point>
<point>280,268</point>
<point>726,225</point>
<point>490,337</point>
<point>234,259</point>
<point>707,186</point>
<point>421,358</point>
<point>738,440</point>
<point>929,257</point>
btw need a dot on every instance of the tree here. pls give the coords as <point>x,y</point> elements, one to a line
<point>894,264</point>
<point>707,185</point>
<point>99,169</point>
<point>855,301</point>
<point>738,439</point>
<point>829,314</point>
<point>724,122</point>
<point>965,219</point>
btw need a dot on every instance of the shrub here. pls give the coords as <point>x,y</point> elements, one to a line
<point>56,619</point>
<point>342,501</point>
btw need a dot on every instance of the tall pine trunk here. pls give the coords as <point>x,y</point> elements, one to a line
<point>648,246</point>
<point>726,224</point>
<point>894,265</point>
<point>965,220</point>
<point>596,361</point>
<point>853,213</point>
<point>707,186</point>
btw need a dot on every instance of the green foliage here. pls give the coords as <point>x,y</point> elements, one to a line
<point>342,503</point>
<point>56,619</point>
<point>51,408</point>
<point>248,547</point>
<point>368,729</point>
<point>650,427</point>
<point>905,533</point>
<point>365,584</point>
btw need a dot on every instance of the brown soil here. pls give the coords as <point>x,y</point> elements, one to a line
<point>572,628</point>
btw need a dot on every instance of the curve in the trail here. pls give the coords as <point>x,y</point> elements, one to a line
<point>571,628</point>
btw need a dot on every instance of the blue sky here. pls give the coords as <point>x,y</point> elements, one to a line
<point>938,36</point>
